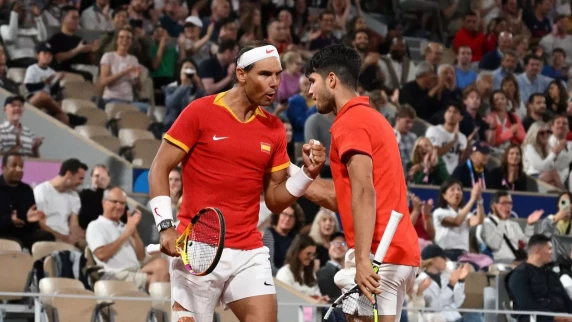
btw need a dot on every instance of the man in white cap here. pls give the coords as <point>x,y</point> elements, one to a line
<point>191,44</point>
<point>231,150</point>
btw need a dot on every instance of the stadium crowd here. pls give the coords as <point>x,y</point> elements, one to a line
<point>491,97</point>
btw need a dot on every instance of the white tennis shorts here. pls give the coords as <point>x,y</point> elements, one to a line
<point>394,283</point>
<point>238,275</point>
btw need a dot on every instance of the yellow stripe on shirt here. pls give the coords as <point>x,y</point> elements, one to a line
<point>278,167</point>
<point>176,142</point>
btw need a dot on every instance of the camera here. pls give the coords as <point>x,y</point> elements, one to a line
<point>189,72</point>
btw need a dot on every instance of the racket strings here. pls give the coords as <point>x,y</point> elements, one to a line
<point>203,243</point>
<point>358,305</point>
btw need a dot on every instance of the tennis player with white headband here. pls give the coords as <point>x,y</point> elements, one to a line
<point>231,150</point>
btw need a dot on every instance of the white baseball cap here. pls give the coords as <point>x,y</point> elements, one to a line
<point>194,21</point>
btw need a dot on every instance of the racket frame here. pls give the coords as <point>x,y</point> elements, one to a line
<point>182,243</point>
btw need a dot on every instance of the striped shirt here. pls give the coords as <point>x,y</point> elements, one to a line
<point>8,135</point>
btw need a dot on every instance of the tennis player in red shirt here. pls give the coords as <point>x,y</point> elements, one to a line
<point>231,150</point>
<point>369,184</point>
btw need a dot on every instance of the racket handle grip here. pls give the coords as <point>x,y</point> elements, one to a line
<point>153,249</point>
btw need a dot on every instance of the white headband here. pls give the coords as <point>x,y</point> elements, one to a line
<point>259,53</point>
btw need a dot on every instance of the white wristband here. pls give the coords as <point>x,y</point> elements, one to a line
<point>298,183</point>
<point>161,209</point>
<point>293,169</point>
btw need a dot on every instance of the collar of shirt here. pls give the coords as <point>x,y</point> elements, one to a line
<point>117,224</point>
<point>358,100</point>
<point>10,127</point>
<point>335,264</point>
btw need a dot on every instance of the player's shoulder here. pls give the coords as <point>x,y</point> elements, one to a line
<point>204,102</point>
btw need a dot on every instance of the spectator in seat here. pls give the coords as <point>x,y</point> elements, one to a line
<point>507,67</point>
<point>425,166</point>
<point>14,136</point>
<point>220,9</point>
<point>98,16</point>
<point>120,72</point>
<point>59,200</point>
<point>475,169</point>
<point>371,77</point>
<point>277,35</point>
<point>433,54</point>
<point>498,230</point>
<point>216,73</point>
<point>300,107</point>
<point>191,45</point>
<point>558,224</point>
<point>465,76</point>
<point>446,138</point>
<point>403,124</point>
<point>324,37</point>
<point>117,246</point>
<point>43,84</point>
<point>539,159</point>
<point>534,287</point>
<point>510,174</point>
<point>298,272</point>
<point>485,88</point>
<point>317,127</point>
<point>422,221</point>
<point>325,275</point>
<point>472,121</point>
<point>560,129</point>
<point>279,236</point>
<point>5,82</point>
<point>164,58</point>
<point>170,20</point>
<point>20,38</point>
<point>559,38</point>
<point>420,93</point>
<point>70,49</point>
<point>556,99</point>
<point>396,66</point>
<point>493,59</point>
<point>509,86</point>
<point>558,69</point>
<point>452,217</point>
<point>91,197</point>
<point>531,81</point>
<point>507,126</point>
<point>290,82</point>
<point>180,94</point>
<point>493,30</point>
<point>19,217</point>
<point>537,20</point>
<point>470,36</point>
<point>536,110</point>
<point>324,225</point>
<point>446,291</point>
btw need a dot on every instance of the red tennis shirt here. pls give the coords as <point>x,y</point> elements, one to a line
<point>225,164</point>
<point>360,128</point>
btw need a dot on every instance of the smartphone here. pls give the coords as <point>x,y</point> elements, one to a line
<point>564,204</point>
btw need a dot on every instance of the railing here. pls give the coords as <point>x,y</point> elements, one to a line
<point>36,308</point>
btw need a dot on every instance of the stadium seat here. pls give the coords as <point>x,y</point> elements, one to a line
<point>109,287</point>
<point>94,116</point>
<point>144,148</point>
<point>72,105</point>
<point>475,284</point>
<point>419,127</point>
<point>90,131</point>
<point>109,142</point>
<point>51,285</point>
<point>133,120</point>
<point>16,74</point>
<point>71,77</point>
<point>159,113</point>
<point>162,308</point>
<point>16,266</point>
<point>113,109</point>
<point>74,309</point>
<point>130,310</point>
<point>81,90</point>
<point>7,245</point>
<point>45,248</point>
<point>128,136</point>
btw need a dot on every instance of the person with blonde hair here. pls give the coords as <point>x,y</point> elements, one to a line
<point>290,84</point>
<point>426,167</point>
<point>539,160</point>
<point>324,225</point>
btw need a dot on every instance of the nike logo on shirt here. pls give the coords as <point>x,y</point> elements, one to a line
<point>215,138</point>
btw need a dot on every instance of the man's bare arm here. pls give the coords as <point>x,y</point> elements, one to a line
<point>323,193</point>
<point>360,171</point>
<point>167,158</point>
<point>276,196</point>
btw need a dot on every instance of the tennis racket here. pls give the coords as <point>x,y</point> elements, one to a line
<point>201,245</point>
<point>354,298</point>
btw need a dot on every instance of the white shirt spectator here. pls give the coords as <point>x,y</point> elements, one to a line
<point>450,237</point>
<point>443,298</point>
<point>285,275</point>
<point>550,42</point>
<point>123,88</point>
<point>534,163</point>
<point>398,68</point>
<point>36,74</point>
<point>492,235</point>
<point>564,158</point>
<point>103,231</point>
<point>93,18</point>
<point>21,42</point>
<point>58,206</point>
<point>440,137</point>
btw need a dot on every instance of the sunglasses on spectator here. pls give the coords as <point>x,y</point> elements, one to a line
<point>545,132</point>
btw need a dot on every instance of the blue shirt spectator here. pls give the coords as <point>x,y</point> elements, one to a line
<point>531,81</point>
<point>298,112</point>
<point>465,78</point>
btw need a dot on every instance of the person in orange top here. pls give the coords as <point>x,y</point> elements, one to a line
<point>507,126</point>
<point>231,150</point>
<point>369,184</point>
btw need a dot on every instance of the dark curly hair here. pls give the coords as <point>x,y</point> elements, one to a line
<point>341,60</point>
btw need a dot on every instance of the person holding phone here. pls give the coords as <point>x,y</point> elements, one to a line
<point>559,224</point>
